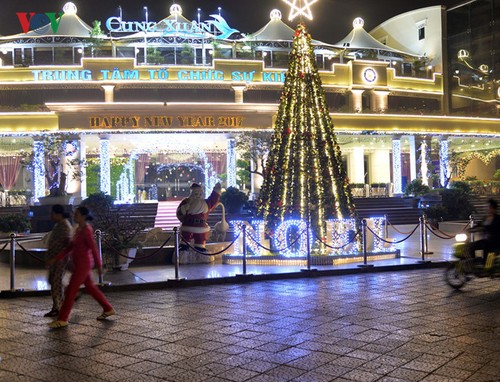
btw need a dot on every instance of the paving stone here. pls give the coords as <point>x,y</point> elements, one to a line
<point>345,328</point>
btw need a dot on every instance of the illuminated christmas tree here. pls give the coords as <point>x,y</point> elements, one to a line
<point>304,176</point>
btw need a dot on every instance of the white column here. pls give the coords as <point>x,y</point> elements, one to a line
<point>413,158</point>
<point>105,180</point>
<point>231,163</point>
<point>39,170</point>
<point>356,101</point>
<point>109,95</point>
<point>356,165</point>
<point>380,166</point>
<point>238,93</point>
<point>396,165</point>
<point>444,170</point>
<point>83,168</point>
<point>379,101</point>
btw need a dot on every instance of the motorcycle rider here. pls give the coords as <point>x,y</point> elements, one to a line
<point>490,227</point>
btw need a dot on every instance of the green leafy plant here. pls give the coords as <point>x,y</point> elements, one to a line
<point>455,203</point>
<point>14,223</point>
<point>119,229</point>
<point>95,40</point>
<point>416,188</point>
<point>233,199</point>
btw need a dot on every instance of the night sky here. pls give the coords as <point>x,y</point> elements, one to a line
<point>332,18</point>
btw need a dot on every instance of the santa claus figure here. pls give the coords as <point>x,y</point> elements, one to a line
<point>193,215</point>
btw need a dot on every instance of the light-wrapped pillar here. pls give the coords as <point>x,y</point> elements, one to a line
<point>105,180</point>
<point>396,165</point>
<point>443,163</point>
<point>231,163</point>
<point>39,170</point>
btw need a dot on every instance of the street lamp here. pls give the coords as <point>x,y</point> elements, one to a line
<point>219,9</point>
<point>145,37</point>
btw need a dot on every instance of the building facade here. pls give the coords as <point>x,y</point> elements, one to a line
<point>147,108</point>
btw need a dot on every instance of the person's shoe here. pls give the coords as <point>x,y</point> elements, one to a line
<point>52,313</point>
<point>58,324</point>
<point>105,315</point>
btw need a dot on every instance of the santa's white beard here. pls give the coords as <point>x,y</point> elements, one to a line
<point>195,207</point>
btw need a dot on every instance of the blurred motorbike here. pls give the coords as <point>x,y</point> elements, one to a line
<point>464,268</point>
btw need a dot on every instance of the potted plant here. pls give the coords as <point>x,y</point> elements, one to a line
<point>17,223</point>
<point>233,200</point>
<point>416,189</point>
<point>120,232</point>
<point>358,189</point>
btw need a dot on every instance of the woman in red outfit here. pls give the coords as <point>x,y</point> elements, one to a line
<point>83,250</point>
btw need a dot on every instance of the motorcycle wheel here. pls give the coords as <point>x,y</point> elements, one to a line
<point>455,275</point>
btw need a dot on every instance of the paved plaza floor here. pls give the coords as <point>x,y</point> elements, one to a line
<point>391,326</point>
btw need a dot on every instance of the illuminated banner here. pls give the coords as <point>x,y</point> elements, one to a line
<point>162,74</point>
<point>164,122</point>
<point>217,28</point>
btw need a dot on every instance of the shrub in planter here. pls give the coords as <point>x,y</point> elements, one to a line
<point>120,232</point>
<point>416,188</point>
<point>14,223</point>
<point>233,199</point>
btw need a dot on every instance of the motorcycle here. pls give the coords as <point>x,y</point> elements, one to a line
<point>464,268</point>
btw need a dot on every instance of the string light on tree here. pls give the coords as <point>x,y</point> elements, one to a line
<point>304,177</point>
<point>300,10</point>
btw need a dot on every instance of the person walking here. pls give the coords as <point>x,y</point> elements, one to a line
<point>84,253</point>
<point>59,238</point>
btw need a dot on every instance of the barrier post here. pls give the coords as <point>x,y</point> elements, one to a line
<point>471,219</point>
<point>244,249</point>
<point>426,236</point>
<point>244,260</point>
<point>98,235</point>
<point>386,226</point>
<point>176,255</point>
<point>423,232</point>
<point>308,246</point>
<point>308,249</point>
<point>12,261</point>
<point>365,257</point>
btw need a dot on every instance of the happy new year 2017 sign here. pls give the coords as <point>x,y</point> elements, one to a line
<point>164,122</point>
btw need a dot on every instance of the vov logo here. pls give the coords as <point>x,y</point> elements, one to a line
<point>34,21</point>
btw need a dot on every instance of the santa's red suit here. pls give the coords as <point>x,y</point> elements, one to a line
<point>193,214</point>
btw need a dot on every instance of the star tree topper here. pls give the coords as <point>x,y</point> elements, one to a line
<point>300,10</point>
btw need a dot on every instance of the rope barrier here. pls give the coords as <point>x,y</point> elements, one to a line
<point>392,242</point>
<point>117,252</point>
<point>213,253</point>
<point>29,253</point>
<point>448,235</point>
<point>435,234</point>
<point>433,228</point>
<point>341,247</point>
<point>279,249</point>
<point>398,231</point>
<point>5,246</point>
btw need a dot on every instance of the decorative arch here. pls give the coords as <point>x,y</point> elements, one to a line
<point>463,161</point>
